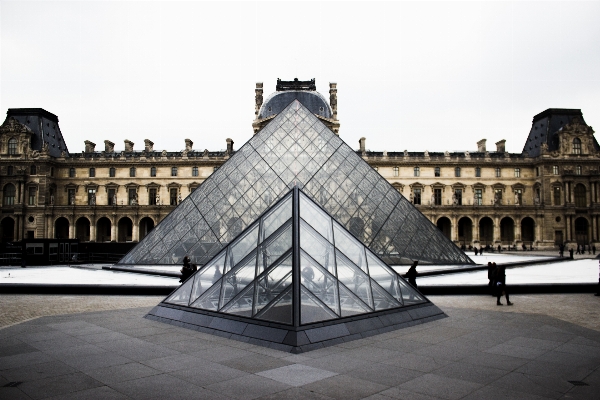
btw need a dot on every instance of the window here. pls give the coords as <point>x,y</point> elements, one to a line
<point>10,170</point>
<point>517,172</point>
<point>417,171</point>
<point>194,171</point>
<point>578,170</point>
<point>556,195</point>
<point>33,170</point>
<point>153,171</point>
<point>436,171</point>
<point>9,195</point>
<point>71,172</point>
<point>132,197</point>
<point>519,196</point>
<point>112,172</point>
<point>417,196</point>
<point>457,197</point>
<point>457,172</point>
<point>580,200</point>
<point>32,196</point>
<point>71,198</point>
<point>132,172</point>
<point>576,146</point>
<point>152,197</point>
<point>173,196</point>
<point>92,172</point>
<point>12,146</point>
<point>498,172</point>
<point>555,169</point>
<point>91,197</point>
<point>112,197</point>
<point>537,171</point>
<point>396,171</point>
<point>173,171</point>
<point>51,171</point>
<point>498,196</point>
<point>477,172</point>
<point>437,197</point>
<point>478,197</point>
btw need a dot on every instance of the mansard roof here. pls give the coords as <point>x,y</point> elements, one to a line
<point>44,126</point>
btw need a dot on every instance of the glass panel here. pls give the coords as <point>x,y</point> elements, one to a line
<point>181,295</point>
<point>242,304</point>
<point>319,282</point>
<point>381,298</point>
<point>210,299</point>
<point>409,294</point>
<point>311,309</point>
<point>272,249</point>
<point>350,304</point>
<point>315,217</point>
<point>207,276</point>
<point>279,310</point>
<point>384,276</point>
<point>319,249</point>
<point>276,218</point>
<point>351,247</point>
<point>237,279</point>
<point>242,246</point>
<point>272,284</point>
<point>353,278</point>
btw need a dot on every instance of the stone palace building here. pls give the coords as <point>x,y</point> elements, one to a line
<point>541,197</point>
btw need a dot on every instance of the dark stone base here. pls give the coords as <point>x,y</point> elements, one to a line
<point>295,339</point>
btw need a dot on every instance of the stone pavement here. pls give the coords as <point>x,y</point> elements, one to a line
<point>529,351</point>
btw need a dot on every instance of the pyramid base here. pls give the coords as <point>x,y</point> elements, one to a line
<point>291,339</point>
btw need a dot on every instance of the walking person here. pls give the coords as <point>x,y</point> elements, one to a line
<point>571,252</point>
<point>500,285</point>
<point>412,273</point>
<point>186,271</point>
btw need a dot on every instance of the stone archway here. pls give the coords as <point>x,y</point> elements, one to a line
<point>61,228</point>
<point>7,229</point>
<point>445,226</point>
<point>486,231</point>
<point>527,231</point>
<point>581,231</point>
<point>124,230</point>
<point>465,231</point>
<point>103,227</point>
<point>146,225</point>
<point>82,229</point>
<point>507,231</point>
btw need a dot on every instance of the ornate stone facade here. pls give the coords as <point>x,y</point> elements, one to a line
<point>547,194</point>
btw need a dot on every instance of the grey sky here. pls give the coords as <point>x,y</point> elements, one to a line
<point>411,75</point>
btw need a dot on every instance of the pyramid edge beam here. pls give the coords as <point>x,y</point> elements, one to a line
<point>300,339</point>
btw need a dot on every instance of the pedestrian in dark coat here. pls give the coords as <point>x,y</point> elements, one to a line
<point>412,273</point>
<point>186,271</point>
<point>571,252</point>
<point>500,285</point>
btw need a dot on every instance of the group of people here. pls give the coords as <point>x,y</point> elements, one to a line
<point>187,270</point>
<point>497,278</point>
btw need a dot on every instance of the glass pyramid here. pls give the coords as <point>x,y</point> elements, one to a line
<point>295,265</point>
<point>295,148</point>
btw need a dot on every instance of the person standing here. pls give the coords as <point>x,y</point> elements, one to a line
<point>571,252</point>
<point>412,273</point>
<point>186,271</point>
<point>500,285</point>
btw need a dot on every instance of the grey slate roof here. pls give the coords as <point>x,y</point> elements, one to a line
<point>314,101</point>
<point>45,128</point>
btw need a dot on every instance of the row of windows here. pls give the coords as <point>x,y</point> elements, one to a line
<point>112,172</point>
<point>132,197</point>
<point>457,172</point>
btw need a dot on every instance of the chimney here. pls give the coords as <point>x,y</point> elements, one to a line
<point>362,141</point>
<point>89,146</point>
<point>230,144</point>
<point>258,97</point>
<point>109,146</point>
<point>481,146</point>
<point>148,145</point>
<point>333,98</point>
<point>128,146</point>
<point>188,144</point>
<point>501,146</point>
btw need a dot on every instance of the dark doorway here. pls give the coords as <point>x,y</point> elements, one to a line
<point>103,230</point>
<point>61,228</point>
<point>125,228</point>
<point>527,231</point>
<point>465,230</point>
<point>82,229</point>
<point>581,231</point>
<point>445,226</point>
<point>507,231</point>
<point>146,225</point>
<point>7,229</point>
<point>486,231</point>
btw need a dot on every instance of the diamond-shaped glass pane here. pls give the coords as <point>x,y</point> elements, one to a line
<point>273,283</point>
<point>311,309</point>
<point>279,310</point>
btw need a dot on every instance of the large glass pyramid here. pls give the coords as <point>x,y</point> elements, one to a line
<point>295,148</point>
<point>293,270</point>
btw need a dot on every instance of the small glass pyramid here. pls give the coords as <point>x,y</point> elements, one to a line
<point>295,265</point>
<point>295,148</point>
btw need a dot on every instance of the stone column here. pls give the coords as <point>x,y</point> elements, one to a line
<point>454,229</point>
<point>568,227</point>
<point>496,237</point>
<point>92,231</point>
<point>72,229</point>
<point>517,230</point>
<point>113,230</point>
<point>135,230</point>
<point>475,232</point>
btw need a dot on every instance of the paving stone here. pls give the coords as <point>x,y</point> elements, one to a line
<point>163,387</point>
<point>345,387</point>
<point>384,374</point>
<point>529,353</point>
<point>208,374</point>
<point>99,393</point>
<point>221,353</point>
<point>403,394</point>
<point>174,362</point>
<point>248,387</point>
<point>296,393</point>
<point>255,363</point>
<point>537,385</point>
<point>18,348</point>
<point>121,373</point>
<point>13,393</point>
<point>58,385</point>
<point>470,372</point>
<point>337,363</point>
<point>20,360</point>
<point>440,386</point>
<point>296,374</point>
<point>94,361</point>
<point>502,393</point>
<point>418,362</point>
<point>37,371</point>
<point>136,349</point>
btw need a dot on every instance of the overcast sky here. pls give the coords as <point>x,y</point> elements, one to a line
<point>412,75</point>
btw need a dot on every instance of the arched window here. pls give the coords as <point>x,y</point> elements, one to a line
<point>33,170</point>
<point>132,172</point>
<point>9,195</point>
<point>12,146</point>
<point>576,146</point>
<point>580,193</point>
<point>457,172</point>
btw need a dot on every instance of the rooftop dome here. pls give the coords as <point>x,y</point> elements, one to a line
<point>313,100</point>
